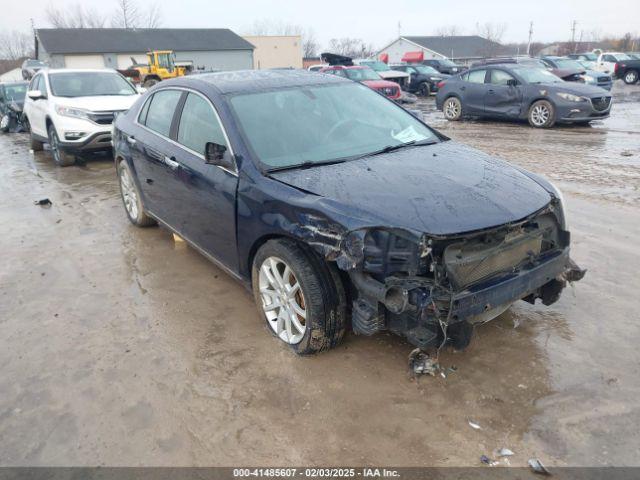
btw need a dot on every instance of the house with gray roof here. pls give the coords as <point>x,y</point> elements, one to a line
<point>459,48</point>
<point>204,48</point>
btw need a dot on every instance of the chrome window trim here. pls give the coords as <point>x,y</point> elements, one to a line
<point>183,147</point>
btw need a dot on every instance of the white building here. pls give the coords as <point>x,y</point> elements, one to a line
<point>205,48</point>
<point>460,48</point>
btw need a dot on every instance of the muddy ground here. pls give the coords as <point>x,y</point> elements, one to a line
<point>119,347</point>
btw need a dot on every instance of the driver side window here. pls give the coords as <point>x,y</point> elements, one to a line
<point>499,77</point>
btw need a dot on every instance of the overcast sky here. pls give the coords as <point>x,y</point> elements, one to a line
<point>374,21</point>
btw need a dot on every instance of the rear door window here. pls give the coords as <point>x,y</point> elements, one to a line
<point>199,124</point>
<point>499,77</point>
<point>161,109</point>
<point>477,76</point>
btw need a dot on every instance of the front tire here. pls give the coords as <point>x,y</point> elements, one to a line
<point>452,109</point>
<point>5,122</point>
<point>630,77</point>
<point>424,89</point>
<point>62,158</point>
<point>542,114</point>
<point>300,296</point>
<point>131,197</point>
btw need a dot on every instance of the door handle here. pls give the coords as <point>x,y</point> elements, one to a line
<point>171,162</point>
<point>491,91</point>
<point>131,140</point>
<point>463,88</point>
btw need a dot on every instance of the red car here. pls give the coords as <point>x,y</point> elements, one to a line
<point>367,76</point>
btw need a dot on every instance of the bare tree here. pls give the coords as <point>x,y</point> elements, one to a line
<point>492,31</point>
<point>15,45</point>
<point>74,16</point>
<point>127,15</point>
<point>449,31</point>
<point>351,47</point>
<point>154,16</point>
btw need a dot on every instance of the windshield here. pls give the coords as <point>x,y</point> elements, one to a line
<point>623,56</point>
<point>426,70</point>
<point>588,64</point>
<point>590,56</point>
<point>447,63</point>
<point>377,66</point>
<point>568,63</point>
<point>88,84</point>
<point>15,93</point>
<point>35,63</point>
<point>536,75</point>
<point>318,124</point>
<point>359,74</point>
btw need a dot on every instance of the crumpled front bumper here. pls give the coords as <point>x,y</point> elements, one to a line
<point>426,311</point>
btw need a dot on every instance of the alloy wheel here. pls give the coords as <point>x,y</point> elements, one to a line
<point>283,302</point>
<point>540,115</point>
<point>452,109</point>
<point>129,193</point>
<point>631,77</point>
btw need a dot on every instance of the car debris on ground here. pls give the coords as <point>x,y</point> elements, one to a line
<point>43,202</point>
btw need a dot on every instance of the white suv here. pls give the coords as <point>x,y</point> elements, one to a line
<point>72,110</point>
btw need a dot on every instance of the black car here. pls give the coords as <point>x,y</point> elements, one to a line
<point>314,190</point>
<point>422,78</point>
<point>444,66</point>
<point>12,95</point>
<point>520,92</point>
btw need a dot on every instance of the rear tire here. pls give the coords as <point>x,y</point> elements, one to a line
<point>62,158</point>
<point>452,109</point>
<point>542,114</point>
<point>131,197</point>
<point>630,77</point>
<point>320,296</point>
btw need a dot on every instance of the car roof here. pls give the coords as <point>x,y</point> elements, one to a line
<point>350,67</point>
<point>249,81</point>
<point>78,70</point>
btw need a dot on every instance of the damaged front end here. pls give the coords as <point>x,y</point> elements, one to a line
<point>433,289</point>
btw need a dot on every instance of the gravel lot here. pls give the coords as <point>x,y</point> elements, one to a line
<point>120,347</point>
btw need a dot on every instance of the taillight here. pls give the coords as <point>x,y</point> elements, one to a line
<point>441,84</point>
<point>615,67</point>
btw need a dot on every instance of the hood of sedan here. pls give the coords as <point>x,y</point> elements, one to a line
<point>439,189</point>
<point>580,89</point>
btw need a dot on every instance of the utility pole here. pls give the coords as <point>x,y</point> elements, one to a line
<point>399,29</point>
<point>573,31</point>
<point>530,37</point>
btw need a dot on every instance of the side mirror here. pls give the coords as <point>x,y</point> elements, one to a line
<point>216,154</point>
<point>512,82</point>
<point>35,94</point>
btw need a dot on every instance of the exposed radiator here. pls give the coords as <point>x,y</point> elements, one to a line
<point>470,262</point>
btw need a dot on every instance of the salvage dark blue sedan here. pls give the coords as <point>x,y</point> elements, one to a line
<point>339,208</point>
